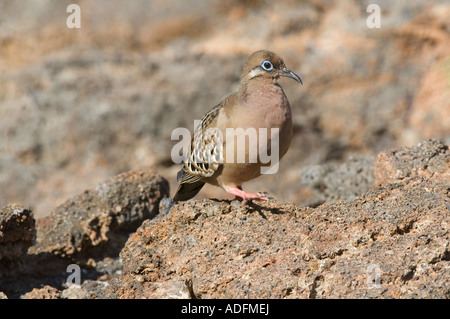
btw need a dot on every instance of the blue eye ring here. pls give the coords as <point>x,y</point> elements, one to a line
<point>267,65</point>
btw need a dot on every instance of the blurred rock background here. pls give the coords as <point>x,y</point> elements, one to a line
<point>78,106</point>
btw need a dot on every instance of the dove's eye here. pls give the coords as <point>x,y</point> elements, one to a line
<point>267,65</point>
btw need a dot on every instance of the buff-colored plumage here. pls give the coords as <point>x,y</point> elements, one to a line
<point>259,103</point>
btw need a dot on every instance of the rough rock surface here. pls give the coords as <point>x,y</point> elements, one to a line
<point>17,234</point>
<point>98,221</point>
<point>429,159</point>
<point>17,231</point>
<point>283,251</point>
<point>46,292</point>
<point>392,241</point>
<point>331,182</point>
<point>88,230</point>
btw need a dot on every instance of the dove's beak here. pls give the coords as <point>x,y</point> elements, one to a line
<point>289,74</point>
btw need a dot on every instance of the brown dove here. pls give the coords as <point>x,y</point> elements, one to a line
<point>228,145</point>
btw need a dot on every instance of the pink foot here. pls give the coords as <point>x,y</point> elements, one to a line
<point>239,193</point>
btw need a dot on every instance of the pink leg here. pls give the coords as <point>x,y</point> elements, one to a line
<point>238,197</point>
<point>238,192</point>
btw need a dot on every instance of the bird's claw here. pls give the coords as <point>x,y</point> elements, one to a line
<point>263,196</point>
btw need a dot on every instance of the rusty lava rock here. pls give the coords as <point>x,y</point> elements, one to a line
<point>430,159</point>
<point>100,220</point>
<point>17,231</point>
<point>390,242</point>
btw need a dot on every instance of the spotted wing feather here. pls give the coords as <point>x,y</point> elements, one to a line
<point>206,152</point>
